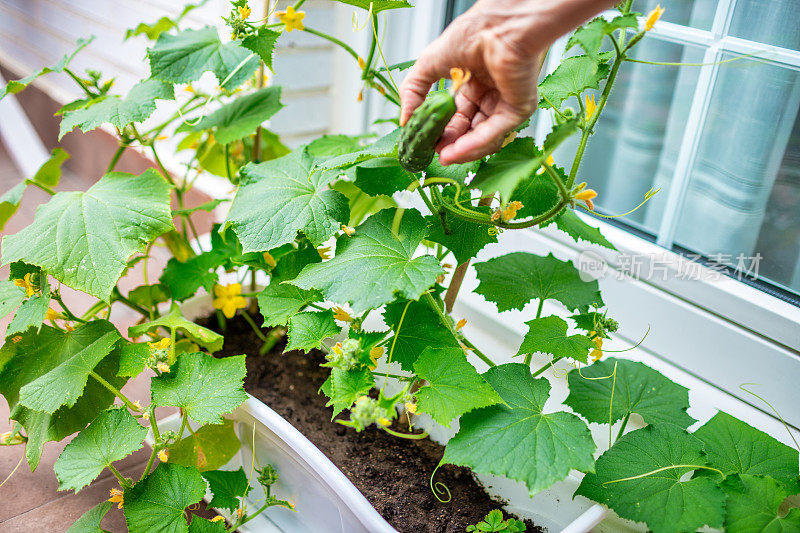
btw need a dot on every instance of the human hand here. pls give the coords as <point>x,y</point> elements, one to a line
<point>503,43</point>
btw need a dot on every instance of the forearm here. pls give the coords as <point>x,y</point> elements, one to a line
<point>534,24</point>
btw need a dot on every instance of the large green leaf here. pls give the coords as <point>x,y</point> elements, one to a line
<point>538,193</point>
<point>307,330</point>
<point>505,170</point>
<point>175,321</point>
<point>382,176</point>
<point>153,30</point>
<point>656,458</point>
<point>738,448</point>
<point>227,488</point>
<point>280,198</point>
<point>84,239</point>
<point>754,505</point>
<point>570,223</point>
<point>377,5</point>
<point>549,335</point>
<point>9,203</point>
<point>15,86</point>
<point>184,57</point>
<point>112,436</point>
<point>203,386</point>
<point>31,313</point>
<point>384,147</point>
<point>374,264</point>
<point>421,328</point>
<point>184,278</point>
<point>33,355</point>
<point>59,378</point>
<point>454,386</point>
<point>534,277</point>
<point>344,387</point>
<point>204,525</point>
<point>262,42</point>
<point>517,439</point>
<point>590,36</point>
<point>210,447</point>
<point>573,76</point>
<point>240,117</point>
<point>137,106</point>
<point>157,503</point>
<point>48,175</point>
<point>10,296</point>
<point>636,388</point>
<point>462,237</point>
<point>89,522</point>
<point>279,302</point>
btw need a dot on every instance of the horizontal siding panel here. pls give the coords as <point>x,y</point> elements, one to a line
<point>302,115</point>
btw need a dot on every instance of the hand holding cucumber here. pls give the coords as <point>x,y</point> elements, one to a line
<point>502,43</point>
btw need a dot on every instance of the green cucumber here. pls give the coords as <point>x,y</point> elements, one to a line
<point>423,130</point>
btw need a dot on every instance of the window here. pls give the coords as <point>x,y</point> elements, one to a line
<point>721,140</point>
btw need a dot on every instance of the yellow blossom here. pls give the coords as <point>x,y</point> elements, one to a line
<point>348,230</point>
<point>653,17</point>
<point>52,315</point>
<point>440,279</point>
<point>163,344</point>
<point>324,251</point>
<point>189,89</point>
<point>146,416</point>
<point>218,518</point>
<point>116,497</point>
<point>268,259</point>
<point>239,512</point>
<point>26,283</point>
<point>229,298</point>
<point>360,97</point>
<point>461,323</point>
<point>447,266</point>
<point>69,328</point>
<point>384,421</point>
<point>291,19</point>
<point>16,338</point>
<point>549,162</point>
<point>411,408</point>
<point>162,366</point>
<point>162,137</point>
<point>163,456</point>
<point>510,211</point>
<point>597,353</point>
<point>234,35</point>
<point>382,90</point>
<point>591,106</point>
<point>586,195</point>
<point>5,437</point>
<point>337,348</point>
<point>341,315</point>
<point>244,12</point>
<point>376,353</point>
<point>361,63</point>
<point>510,137</point>
<point>137,405</point>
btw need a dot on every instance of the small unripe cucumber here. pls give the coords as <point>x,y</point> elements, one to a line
<point>423,130</point>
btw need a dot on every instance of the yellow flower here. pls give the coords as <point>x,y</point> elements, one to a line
<point>440,279</point>
<point>549,162</point>
<point>52,315</point>
<point>162,137</point>
<point>341,315</point>
<point>587,196</point>
<point>291,19</point>
<point>137,405</point>
<point>324,251</point>
<point>5,437</point>
<point>376,353</point>
<point>146,416</point>
<point>360,97</point>
<point>461,323</point>
<point>653,17</point>
<point>508,138</point>
<point>268,259</point>
<point>218,518</point>
<point>116,497</point>
<point>597,353</point>
<point>411,408</point>
<point>229,298</point>
<point>382,90</point>
<point>509,212</point>
<point>163,344</point>
<point>189,89</point>
<point>162,366</point>
<point>384,421</point>
<point>348,230</point>
<point>244,12</point>
<point>361,63</point>
<point>337,348</point>
<point>239,512</point>
<point>163,456</point>
<point>26,283</point>
<point>591,106</point>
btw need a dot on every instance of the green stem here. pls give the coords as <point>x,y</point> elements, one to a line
<point>432,303</point>
<point>529,356</point>
<point>545,367</point>
<point>228,164</point>
<point>42,186</point>
<point>163,169</point>
<point>117,296</point>
<point>117,155</point>
<point>663,468</point>
<point>371,55</point>
<point>69,314</point>
<point>409,436</point>
<point>334,40</point>
<point>622,427</point>
<point>255,327</point>
<point>181,111</point>
<point>117,474</point>
<point>79,81</point>
<point>115,391</point>
<point>93,310</point>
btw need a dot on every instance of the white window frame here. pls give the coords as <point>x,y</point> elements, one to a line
<point>723,332</point>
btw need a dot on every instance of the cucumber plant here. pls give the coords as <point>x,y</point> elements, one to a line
<point>319,227</point>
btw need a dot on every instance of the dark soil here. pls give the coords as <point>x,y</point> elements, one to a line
<point>392,473</point>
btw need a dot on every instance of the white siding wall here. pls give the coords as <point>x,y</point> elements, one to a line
<point>35,33</point>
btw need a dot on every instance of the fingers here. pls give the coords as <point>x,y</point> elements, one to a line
<point>483,139</point>
<point>434,63</point>
<point>467,108</point>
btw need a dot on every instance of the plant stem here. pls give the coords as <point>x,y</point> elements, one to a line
<point>529,356</point>
<point>409,436</point>
<point>255,327</point>
<point>114,390</point>
<point>545,367</point>
<point>115,158</point>
<point>622,427</point>
<point>117,474</point>
<point>69,314</point>
<point>42,186</point>
<point>371,55</point>
<point>228,164</point>
<point>164,170</point>
<point>79,81</point>
<point>117,296</point>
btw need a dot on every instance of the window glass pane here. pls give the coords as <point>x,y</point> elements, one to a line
<point>695,13</point>
<point>637,139</point>
<point>743,197</point>
<point>778,22</point>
